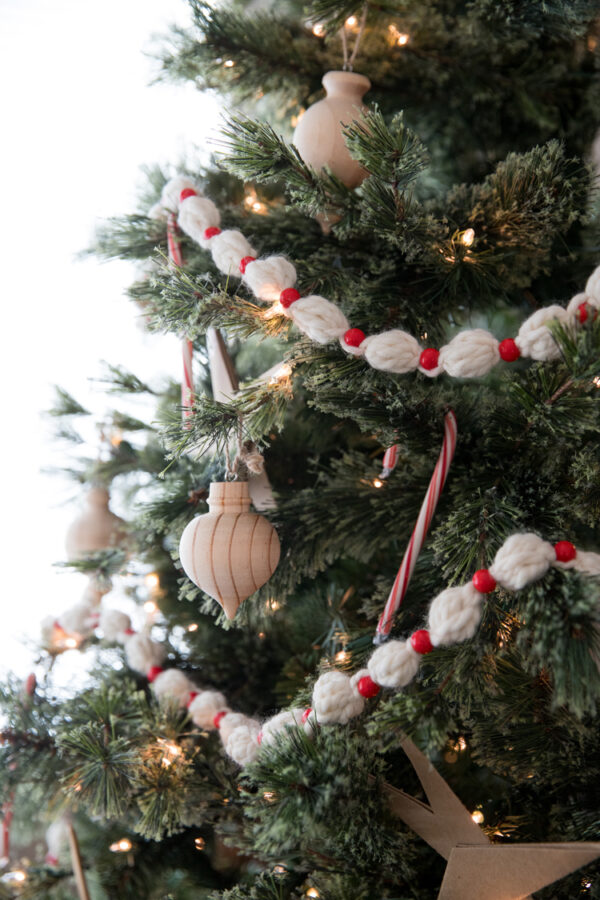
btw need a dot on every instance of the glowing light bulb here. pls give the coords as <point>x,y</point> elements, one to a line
<point>318,30</point>
<point>477,817</point>
<point>596,381</point>
<point>193,627</point>
<point>116,437</point>
<point>342,656</point>
<point>122,846</point>
<point>170,750</point>
<point>150,607</point>
<point>468,237</point>
<point>279,870</point>
<point>269,795</point>
<point>71,643</point>
<point>229,63</point>
<point>19,875</point>
<point>461,744</point>
<point>261,635</point>
<point>403,39</point>
<point>199,843</point>
<point>377,483</point>
<point>400,38</point>
<point>281,372</point>
<point>351,21</point>
<point>312,892</point>
<point>152,581</point>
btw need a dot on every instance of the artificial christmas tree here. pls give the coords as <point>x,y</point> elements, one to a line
<point>450,314</point>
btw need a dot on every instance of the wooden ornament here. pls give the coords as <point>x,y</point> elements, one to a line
<point>229,552</point>
<point>97,528</point>
<point>319,138</point>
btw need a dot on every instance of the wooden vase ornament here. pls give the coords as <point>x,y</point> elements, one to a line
<point>97,528</point>
<point>319,138</point>
<point>229,552</point>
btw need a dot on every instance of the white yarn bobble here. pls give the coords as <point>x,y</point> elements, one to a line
<point>588,563</point>
<point>454,615</point>
<point>231,721</point>
<point>242,744</point>
<point>334,700</point>
<point>267,278</point>
<point>469,354</point>
<point>196,214</point>
<point>171,192</point>
<point>394,664</point>
<point>142,653</point>
<point>392,351</point>
<point>114,624</point>
<point>317,317</point>
<point>592,287</point>
<point>80,619</point>
<point>172,686</point>
<point>279,723</point>
<point>157,212</point>
<point>535,339</point>
<point>205,706</point>
<point>521,559</point>
<point>228,250</point>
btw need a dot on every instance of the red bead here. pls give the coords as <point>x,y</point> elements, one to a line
<point>429,359</point>
<point>218,717</point>
<point>288,296</point>
<point>245,262</point>
<point>211,232</point>
<point>565,551</point>
<point>484,582</point>
<point>154,672</point>
<point>259,738</point>
<point>367,687</point>
<point>582,312</point>
<point>193,695</point>
<point>129,631</point>
<point>306,714</point>
<point>354,337</point>
<point>187,192</point>
<point>508,350</point>
<point>421,642</point>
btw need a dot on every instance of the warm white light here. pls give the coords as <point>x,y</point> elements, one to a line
<point>19,875</point>
<point>193,627</point>
<point>273,604</point>
<point>461,744</point>
<point>477,817</point>
<point>341,657</point>
<point>199,843</point>
<point>312,892</point>
<point>152,581</point>
<point>150,607</point>
<point>318,30</point>
<point>351,21</point>
<point>280,870</point>
<point>122,846</point>
<point>275,310</point>
<point>116,437</point>
<point>468,237</point>
<point>399,37</point>
<point>596,381</point>
<point>261,635</point>
<point>268,795</point>
<point>403,39</point>
<point>71,643</point>
<point>229,63</point>
<point>281,372</point>
<point>170,751</point>
<point>377,483</point>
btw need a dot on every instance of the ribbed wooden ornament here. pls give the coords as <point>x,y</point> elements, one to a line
<point>97,528</point>
<point>319,138</point>
<point>229,552</point>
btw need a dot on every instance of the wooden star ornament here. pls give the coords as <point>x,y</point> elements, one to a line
<point>477,868</point>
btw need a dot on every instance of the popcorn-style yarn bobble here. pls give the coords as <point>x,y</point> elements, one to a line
<point>204,708</point>
<point>171,192</point>
<point>421,642</point>
<point>228,248</point>
<point>585,561</point>
<point>172,686</point>
<point>522,558</point>
<point>232,720</point>
<point>268,278</point>
<point>288,296</point>
<point>392,351</point>
<point>245,262</point>
<point>454,615</point>
<point>483,581</point>
<point>153,673</point>
<point>394,664</point>
<point>79,619</point>
<point>196,216</point>
<point>535,338</point>
<point>565,551</point>
<point>508,350</point>
<point>318,318</point>
<point>334,700</point>
<point>142,653</point>
<point>242,745</point>
<point>279,723</point>
<point>470,354</point>
<point>115,625</point>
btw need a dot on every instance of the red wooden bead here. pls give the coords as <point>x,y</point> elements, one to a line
<point>154,672</point>
<point>484,582</point>
<point>259,738</point>
<point>565,551</point>
<point>508,350</point>
<point>429,359</point>
<point>193,694</point>
<point>306,714</point>
<point>129,631</point>
<point>367,687</point>
<point>245,262</point>
<point>211,232</point>
<point>187,192</point>
<point>218,717</point>
<point>582,312</point>
<point>288,296</point>
<point>421,642</point>
<point>354,337</point>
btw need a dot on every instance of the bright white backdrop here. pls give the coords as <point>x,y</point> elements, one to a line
<point>79,117</point>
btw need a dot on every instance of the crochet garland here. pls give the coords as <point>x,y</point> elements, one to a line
<point>453,617</point>
<point>469,354</point>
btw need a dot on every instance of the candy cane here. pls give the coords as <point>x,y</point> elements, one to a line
<point>420,530</point>
<point>187,383</point>
<point>390,458</point>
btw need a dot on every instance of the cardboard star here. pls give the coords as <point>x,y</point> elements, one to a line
<point>477,868</point>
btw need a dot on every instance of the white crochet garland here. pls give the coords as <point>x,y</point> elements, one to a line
<point>468,355</point>
<point>453,617</point>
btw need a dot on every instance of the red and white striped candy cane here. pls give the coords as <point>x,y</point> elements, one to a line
<point>187,382</point>
<point>390,458</point>
<point>420,530</point>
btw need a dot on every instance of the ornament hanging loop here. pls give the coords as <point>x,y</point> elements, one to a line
<point>349,61</point>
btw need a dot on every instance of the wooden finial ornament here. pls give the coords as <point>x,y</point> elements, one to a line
<point>97,528</point>
<point>229,552</point>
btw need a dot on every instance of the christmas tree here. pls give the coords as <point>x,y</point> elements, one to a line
<point>390,340</point>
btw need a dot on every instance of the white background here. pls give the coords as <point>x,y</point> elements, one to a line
<point>79,118</point>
